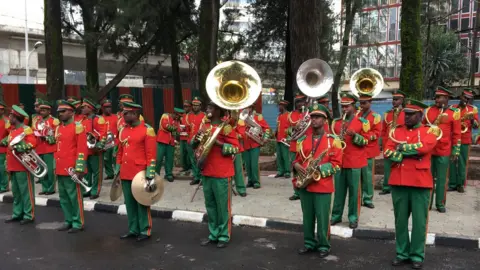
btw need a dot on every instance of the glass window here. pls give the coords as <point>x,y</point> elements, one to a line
<point>465,24</point>
<point>391,2</point>
<point>475,5</point>
<point>390,72</point>
<point>454,25</point>
<point>465,6</point>
<point>474,22</point>
<point>382,2</point>
<point>382,25</point>
<point>392,24</point>
<point>455,6</point>
<point>464,45</point>
<point>374,31</point>
<point>399,20</point>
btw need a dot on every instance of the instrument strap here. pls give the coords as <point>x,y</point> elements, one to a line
<point>315,146</point>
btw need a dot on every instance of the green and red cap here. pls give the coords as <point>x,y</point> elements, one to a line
<point>443,92</point>
<point>412,105</point>
<point>347,98</point>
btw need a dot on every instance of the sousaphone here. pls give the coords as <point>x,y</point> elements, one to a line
<point>142,194</point>
<point>366,81</point>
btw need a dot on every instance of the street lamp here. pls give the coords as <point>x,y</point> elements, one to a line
<point>37,45</point>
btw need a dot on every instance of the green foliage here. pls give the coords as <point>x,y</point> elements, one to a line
<point>268,149</point>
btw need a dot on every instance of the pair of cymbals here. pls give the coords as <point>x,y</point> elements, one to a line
<point>140,193</point>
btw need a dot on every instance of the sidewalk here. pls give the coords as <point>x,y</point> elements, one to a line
<point>270,207</point>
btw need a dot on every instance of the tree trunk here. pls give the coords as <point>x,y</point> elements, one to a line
<point>207,42</point>
<point>350,11</point>
<point>306,19</point>
<point>177,83</point>
<point>411,75</point>
<point>54,50</point>
<point>91,50</point>
<point>473,58</point>
<point>289,75</point>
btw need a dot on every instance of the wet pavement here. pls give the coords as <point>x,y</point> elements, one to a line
<point>175,245</point>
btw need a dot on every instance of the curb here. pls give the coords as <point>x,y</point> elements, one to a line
<point>283,225</point>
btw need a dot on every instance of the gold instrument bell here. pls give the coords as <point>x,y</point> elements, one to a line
<point>140,192</point>
<point>366,81</point>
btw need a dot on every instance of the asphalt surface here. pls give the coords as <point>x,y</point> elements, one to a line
<point>175,245</point>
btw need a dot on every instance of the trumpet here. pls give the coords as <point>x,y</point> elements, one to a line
<point>76,179</point>
<point>92,139</point>
<point>31,160</point>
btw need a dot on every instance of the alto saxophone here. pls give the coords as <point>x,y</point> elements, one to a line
<point>434,127</point>
<point>468,116</point>
<point>343,128</point>
<point>311,172</point>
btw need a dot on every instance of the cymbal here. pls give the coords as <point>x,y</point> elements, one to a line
<point>143,196</point>
<point>116,189</point>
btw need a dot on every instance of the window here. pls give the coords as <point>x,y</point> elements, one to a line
<point>465,24</point>
<point>381,59</point>
<point>390,72</point>
<point>392,24</point>
<point>466,6</point>
<point>454,25</point>
<point>399,59</point>
<point>399,24</point>
<point>475,5</point>
<point>455,6</point>
<point>464,45</point>
<point>477,65</point>
<point>383,2</point>
<point>391,2</point>
<point>382,25</point>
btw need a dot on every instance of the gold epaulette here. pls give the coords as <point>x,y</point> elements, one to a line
<point>227,129</point>
<point>101,120</point>
<point>150,131</point>
<point>78,128</point>
<point>56,122</point>
<point>27,130</point>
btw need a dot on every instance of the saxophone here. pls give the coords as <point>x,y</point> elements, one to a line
<point>434,128</point>
<point>468,116</point>
<point>343,129</point>
<point>311,171</point>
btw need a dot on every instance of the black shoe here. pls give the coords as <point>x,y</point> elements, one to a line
<point>128,235</point>
<point>369,205</point>
<point>294,198</point>
<point>384,192</point>
<point>26,221</point>
<point>37,182</point>
<point>142,237</point>
<point>441,210</point>
<point>452,189</point>
<point>256,186</point>
<point>65,227</point>
<point>10,220</point>
<point>353,225</point>
<point>323,253</point>
<point>49,193</point>
<point>249,185</point>
<point>93,197</point>
<point>305,250</point>
<point>109,178</point>
<point>206,242</point>
<point>170,179</point>
<point>194,182</point>
<point>74,230</point>
<point>461,189</point>
<point>222,244</point>
<point>399,262</point>
<point>86,195</point>
<point>3,191</point>
<point>41,193</point>
<point>242,194</point>
<point>334,222</point>
<point>278,175</point>
<point>417,265</point>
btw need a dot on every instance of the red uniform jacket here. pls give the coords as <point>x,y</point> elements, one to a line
<point>78,117</point>
<point>111,122</point>
<point>293,119</point>
<point>71,148</point>
<point>412,171</point>
<point>4,130</point>
<point>449,124</point>
<point>387,124</point>
<point>249,143</point>
<point>165,135</point>
<point>13,165</point>
<point>35,118</point>
<point>43,147</point>
<point>219,162</point>
<point>375,120</point>
<point>333,158</point>
<point>282,126</point>
<point>185,130</point>
<point>92,124</point>
<point>240,129</point>
<point>137,150</point>
<point>195,121</point>
<point>466,137</point>
<point>354,156</point>
<point>26,120</point>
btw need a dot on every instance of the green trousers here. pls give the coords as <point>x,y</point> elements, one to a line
<point>368,173</point>
<point>71,201</point>
<point>217,192</point>
<point>347,180</point>
<point>3,173</point>
<point>283,159</point>
<point>387,167</point>
<point>95,173</point>
<point>414,201</point>
<point>195,170</point>
<point>48,181</point>
<point>439,173</point>
<point>458,170</point>
<point>251,163</point>
<point>186,162</point>
<point>316,207</point>
<point>109,161</point>
<point>139,216</point>
<point>165,151</point>
<point>292,158</point>
<point>239,174</point>
<point>23,191</point>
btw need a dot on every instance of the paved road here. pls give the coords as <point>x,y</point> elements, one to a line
<point>174,245</point>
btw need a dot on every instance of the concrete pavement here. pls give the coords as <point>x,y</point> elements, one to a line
<point>174,245</point>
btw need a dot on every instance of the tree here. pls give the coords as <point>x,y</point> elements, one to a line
<point>411,76</point>
<point>54,49</point>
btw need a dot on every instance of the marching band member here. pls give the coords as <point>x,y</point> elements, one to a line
<point>167,131</point>
<point>469,120</point>
<point>184,121</point>
<point>71,153</point>
<point>71,99</point>
<point>354,131</point>
<point>124,98</point>
<point>95,125</point>
<point>27,119</point>
<point>239,177</point>
<point>195,120</point>
<point>23,188</point>
<point>372,149</point>
<point>111,122</point>
<point>217,182</point>
<point>78,117</point>
<point>46,145</point>
<point>447,120</point>
<point>136,152</point>
<point>4,130</point>
<point>283,159</point>
<point>36,115</point>
<point>316,198</point>
<point>325,101</point>
<point>411,182</point>
<point>251,151</point>
<point>392,118</point>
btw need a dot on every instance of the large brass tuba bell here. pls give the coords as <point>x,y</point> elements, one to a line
<point>314,78</point>
<point>366,81</point>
